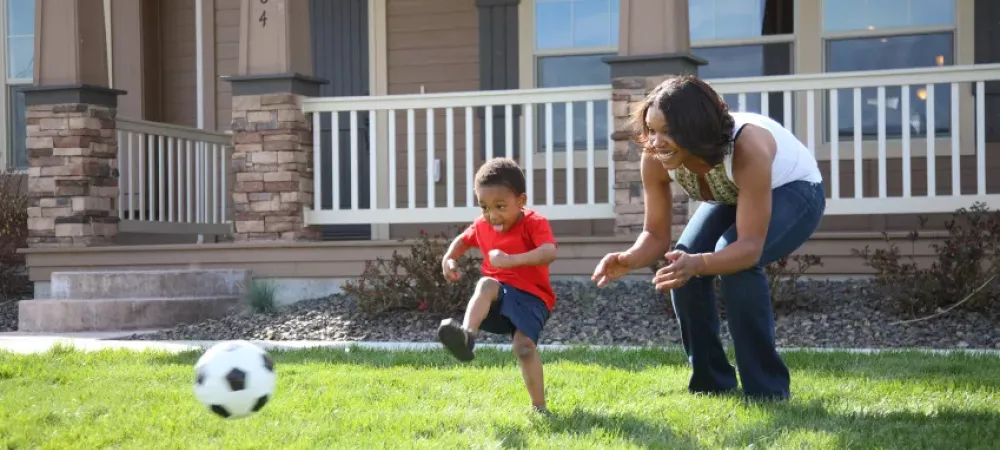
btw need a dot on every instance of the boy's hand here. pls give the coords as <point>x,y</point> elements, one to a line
<point>448,267</point>
<point>500,260</point>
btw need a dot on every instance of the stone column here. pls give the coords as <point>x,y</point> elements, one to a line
<point>71,139</point>
<point>654,43</point>
<point>272,138</point>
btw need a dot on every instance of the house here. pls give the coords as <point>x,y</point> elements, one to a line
<point>259,133</point>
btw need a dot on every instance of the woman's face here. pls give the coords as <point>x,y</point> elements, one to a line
<point>664,149</point>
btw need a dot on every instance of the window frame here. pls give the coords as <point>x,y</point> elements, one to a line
<point>528,57</point>
<point>6,100</point>
<point>893,142</point>
<point>808,43</point>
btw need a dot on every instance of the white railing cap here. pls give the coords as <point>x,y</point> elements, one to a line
<point>601,92</point>
<point>858,79</point>
<point>771,83</point>
<point>172,130</point>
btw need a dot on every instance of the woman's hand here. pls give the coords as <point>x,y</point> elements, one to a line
<point>676,274</point>
<point>612,267</point>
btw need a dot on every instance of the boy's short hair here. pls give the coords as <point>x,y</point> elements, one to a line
<point>502,172</point>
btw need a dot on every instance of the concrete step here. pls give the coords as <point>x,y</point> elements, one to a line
<point>129,284</point>
<point>76,315</point>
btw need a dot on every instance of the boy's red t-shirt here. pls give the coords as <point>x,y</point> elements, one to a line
<point>527,234</point>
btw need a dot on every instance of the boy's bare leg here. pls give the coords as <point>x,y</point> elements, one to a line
<point>531,369</point>
<point>460,338</point>
<point>487,291</point>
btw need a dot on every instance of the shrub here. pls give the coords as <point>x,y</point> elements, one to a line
<point>966,259</point>
<point>413,281</point>
<point>14,282</point>
<point>781,279</point>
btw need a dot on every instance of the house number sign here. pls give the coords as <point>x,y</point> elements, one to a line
<point>263,16</point>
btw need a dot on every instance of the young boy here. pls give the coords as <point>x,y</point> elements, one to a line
<point>514,295</point>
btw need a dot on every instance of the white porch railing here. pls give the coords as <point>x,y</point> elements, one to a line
<point>172,179</point>
<point>904,121</point>
<point>421,196</point>
<point>900,121</point>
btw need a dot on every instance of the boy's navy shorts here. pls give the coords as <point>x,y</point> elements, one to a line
<point>516,310</point>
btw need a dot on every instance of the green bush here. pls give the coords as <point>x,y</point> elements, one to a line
<point>966,260</point>
<point>413,280</point>
<point>14,282</point>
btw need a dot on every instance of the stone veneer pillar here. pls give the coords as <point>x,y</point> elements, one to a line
<point>73,165</point>
<point>633,78</point>
<point>272,157</point>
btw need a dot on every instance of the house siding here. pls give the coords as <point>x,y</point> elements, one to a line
<point>227,58</point>
<point>433,46</point>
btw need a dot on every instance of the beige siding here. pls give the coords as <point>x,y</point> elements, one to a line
<point>227,46</point>
<point>179,76</point>
<point>577,256</point>
<point>431,45</point>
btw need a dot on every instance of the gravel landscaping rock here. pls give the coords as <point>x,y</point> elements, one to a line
<point>8,316</point>
<point>830,314</point>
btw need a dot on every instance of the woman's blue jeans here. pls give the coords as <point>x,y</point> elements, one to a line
<point>796,211</point>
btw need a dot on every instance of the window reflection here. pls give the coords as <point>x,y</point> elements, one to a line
<point>749,61</point>
<point>565,71</point>
<point>853,15</point>
<point>892,52</point>
<point>735,19</point>
<point>564,24</point>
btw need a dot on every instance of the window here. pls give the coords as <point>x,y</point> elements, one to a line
<point>764,44</point>
<point>20,65</point>
<point>571,37</point>
<point>890,34</point>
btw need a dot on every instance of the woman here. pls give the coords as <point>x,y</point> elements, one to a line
<point>763,198</point>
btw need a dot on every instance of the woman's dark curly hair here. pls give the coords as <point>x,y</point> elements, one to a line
<point>697,116</point>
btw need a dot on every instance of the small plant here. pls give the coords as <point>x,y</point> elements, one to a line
<point>260,296</point>
<point>781,279</point>
<point>413,280</point>
<point>14,282</point>
<point>965,271</point>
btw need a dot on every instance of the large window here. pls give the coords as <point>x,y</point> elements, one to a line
<point>763,30</point>
<point>19,61</point>
<point>571,37</point>
<point>890,34</point>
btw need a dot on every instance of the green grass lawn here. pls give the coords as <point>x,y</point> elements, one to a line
<point>599,399</point>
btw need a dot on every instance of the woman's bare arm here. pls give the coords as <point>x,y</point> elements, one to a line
<point>654,240</point>
<point>752,160</point>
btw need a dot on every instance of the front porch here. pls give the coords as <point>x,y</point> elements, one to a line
<point>372,170</point>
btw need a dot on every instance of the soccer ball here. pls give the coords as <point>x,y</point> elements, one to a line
<point>234,379</point>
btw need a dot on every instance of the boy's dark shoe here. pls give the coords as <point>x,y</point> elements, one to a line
<point>457,339</point>
<point>542,410</point>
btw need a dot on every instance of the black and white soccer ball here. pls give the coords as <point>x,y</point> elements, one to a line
<point>234,379</point>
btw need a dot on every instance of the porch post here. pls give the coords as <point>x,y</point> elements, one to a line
<point>272,158</point>
<point>71,139</point>
<point>653,43</point>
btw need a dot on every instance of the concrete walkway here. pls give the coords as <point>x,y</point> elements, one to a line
<point>41,342</point>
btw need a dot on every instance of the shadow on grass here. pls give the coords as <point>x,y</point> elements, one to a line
<point>638,431</point>
<point>631,360</point>
<point>965,371</point>
<point>877,429</point>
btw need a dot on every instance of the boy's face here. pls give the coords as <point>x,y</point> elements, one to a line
<point>501,207</point>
